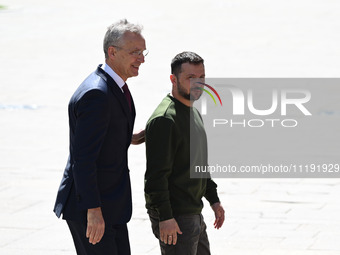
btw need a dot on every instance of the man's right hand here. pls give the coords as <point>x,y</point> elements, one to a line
<point>95,225</point>
<point>168,230</point>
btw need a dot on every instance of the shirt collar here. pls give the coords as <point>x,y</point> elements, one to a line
<point>120,82</point>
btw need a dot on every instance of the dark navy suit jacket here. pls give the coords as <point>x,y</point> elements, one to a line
<point>97,173</point>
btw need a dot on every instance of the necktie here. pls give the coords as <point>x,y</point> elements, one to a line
<point>127,95</point>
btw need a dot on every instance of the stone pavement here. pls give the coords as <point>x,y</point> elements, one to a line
<point>48,47</point>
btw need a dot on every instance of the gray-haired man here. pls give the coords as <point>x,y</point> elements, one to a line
<point>95,194</point>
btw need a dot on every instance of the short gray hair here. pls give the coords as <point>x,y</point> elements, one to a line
<point>116,31</point>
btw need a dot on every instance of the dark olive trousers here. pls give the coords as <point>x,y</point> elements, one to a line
<point>193,241</point>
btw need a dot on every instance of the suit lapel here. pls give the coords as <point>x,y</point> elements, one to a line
<point>117,92</point>
<point>133,113</point>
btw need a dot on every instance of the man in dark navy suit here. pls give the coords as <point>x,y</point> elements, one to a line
<point>95,193</point>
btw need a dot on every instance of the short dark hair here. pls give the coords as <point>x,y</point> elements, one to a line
<point>184,57</point>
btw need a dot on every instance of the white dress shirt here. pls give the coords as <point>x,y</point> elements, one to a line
<point>120,82</point>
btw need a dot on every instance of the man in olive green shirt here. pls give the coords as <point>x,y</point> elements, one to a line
<point>173,199</point>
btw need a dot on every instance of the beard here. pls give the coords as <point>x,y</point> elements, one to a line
<point>194,94</point>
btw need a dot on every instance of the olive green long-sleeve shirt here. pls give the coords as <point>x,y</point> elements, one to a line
<point>169,190</point>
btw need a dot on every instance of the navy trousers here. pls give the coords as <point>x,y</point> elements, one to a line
<point>114,242</point>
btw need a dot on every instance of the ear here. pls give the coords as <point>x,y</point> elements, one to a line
<point>111,51</point>
<point>173,80</point>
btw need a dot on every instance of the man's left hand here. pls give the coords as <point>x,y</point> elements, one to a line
<point>219,214</point>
